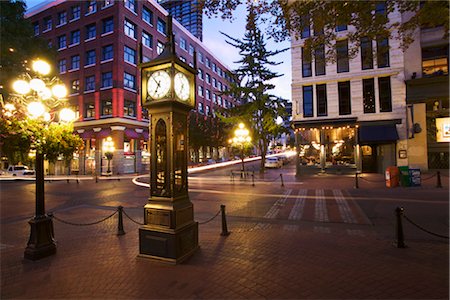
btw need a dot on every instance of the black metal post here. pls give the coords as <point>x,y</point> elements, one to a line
<point>439,182</point>
<point>253,178</point>
<point>242,160</point>
<point>225,231</point>
<point>282,182</point>
<point>356,181</point>
<point>41,242</point>
<point>120,230</point>
<point>399,228</point>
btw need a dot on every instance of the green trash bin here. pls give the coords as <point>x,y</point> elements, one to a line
<point>404,176</point>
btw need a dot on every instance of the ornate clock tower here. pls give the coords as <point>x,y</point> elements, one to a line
<point>169,232</point>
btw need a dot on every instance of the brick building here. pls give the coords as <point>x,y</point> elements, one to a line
<point>100,44</point>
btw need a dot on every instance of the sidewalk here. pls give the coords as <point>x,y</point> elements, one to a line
<point>252,262</point>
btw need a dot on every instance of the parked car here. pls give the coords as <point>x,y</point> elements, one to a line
<point>273,162</point>
<point>19,171</point>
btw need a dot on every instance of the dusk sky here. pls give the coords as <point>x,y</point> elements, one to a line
<point>228,54</point>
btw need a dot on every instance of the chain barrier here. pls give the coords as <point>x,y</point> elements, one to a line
<point>209,220</point>
<point>423,229</point>
<point>131,219</point>
<point>373,181</point>
<point>83,224</point>
<point>428,178</point>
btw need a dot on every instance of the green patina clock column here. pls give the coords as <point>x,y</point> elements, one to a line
<point>169,233</point>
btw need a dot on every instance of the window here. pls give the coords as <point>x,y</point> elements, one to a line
<point>200,74</point>
<point>76,12</point>
<point>384,89</point>
<point>75,62</point>
<point>344,98</point>
<point>307,101</point>
<point>366,54</point>
<point>380,8</point>
<point>214,82</point>
<point>342,56</point>
<point>91,7</point>
<point>47,24</point>
<point>36,28</point>
<point>129,81</point>
<point>107,52</point>
<point>147,39</point>
<point>191,50</point>
<point>130,29</point>
<point>341,28</point>
<point>200,108</point>
<point>208,78</point>
<point>214,68</point>
<point>90,31</point>
<point>89,84</point>
<point>89,111</point>
<point>62,42</point>
<point>183,44</point>
<point>106,107</point>
<point>145,58</point>
<point>369,95</point>
<point>214,98</point>
<point>62,18</point>
<point>200,91</point>
<point>75,37</point>
<point>108,25</point>
<point>319,62</point>
<point>147,15</point>
<point>129,55</point>
<point>321,96</point>
<point>208,63</point>
<point>208,94</point>
<point>219,100</point>
<point>75,86</point>
<point>90,58</point>
<point>306,27</point>
<point>435,61</point>
<point>159,47</point>
<point>161,26</point>
<point>129,108</point>
<point>207,110</point>
<point>107,79</point>
<point>62,66</point>
<point>131,5</point>
<point>306,64</point>
<point>108,3</point>
<point>200,58</point>
<point>382,52</point>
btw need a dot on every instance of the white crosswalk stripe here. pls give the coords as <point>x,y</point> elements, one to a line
<point>321,213</point>
<point>274,210</point>
<point>344,208</point>
<point>297,210</point>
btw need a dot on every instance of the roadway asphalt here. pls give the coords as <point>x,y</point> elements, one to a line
<point>315,237</point>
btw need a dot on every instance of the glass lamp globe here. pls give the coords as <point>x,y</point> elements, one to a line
<point>21,87</point>
<point>46,93</point>
<point>67,115</point>
<point>36,109</point>
<point>41,67</point>
<point>59,91</point>
<point>37,84</point>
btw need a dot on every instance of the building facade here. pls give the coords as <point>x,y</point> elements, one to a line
<point>99,45</point>
<point>187,13</point>
<point>353,113</point>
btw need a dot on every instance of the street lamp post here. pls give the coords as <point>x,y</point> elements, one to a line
<point>108,149</point>
<point>41,96</point>
<point>241,139</point>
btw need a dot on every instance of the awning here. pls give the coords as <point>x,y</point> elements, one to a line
<point>378,134</point>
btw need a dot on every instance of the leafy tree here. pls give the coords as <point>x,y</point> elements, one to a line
<point>18,44</point>
<point>259,109</point>
<point>369,19</point>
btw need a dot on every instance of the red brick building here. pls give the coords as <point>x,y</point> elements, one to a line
<point>100,44</point>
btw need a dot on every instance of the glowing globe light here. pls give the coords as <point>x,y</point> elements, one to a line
<point>59,90</point>
<point>46,93</point>
<point>36,109</point>
<point>66,115</point>
<point>37,84</point>
<point>21,87</point>
<point>41,67</point>
<point>47,117</point>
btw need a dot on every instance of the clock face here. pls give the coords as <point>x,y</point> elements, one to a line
<point>158,84</point>
<point>182,86</point>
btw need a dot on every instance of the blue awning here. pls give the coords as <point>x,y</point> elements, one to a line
<point>378,134</point>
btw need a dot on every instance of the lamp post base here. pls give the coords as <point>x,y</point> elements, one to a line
<point>41,242</point>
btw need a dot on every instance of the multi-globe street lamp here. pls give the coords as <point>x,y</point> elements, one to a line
<point>241,139</point>
<point>41,96</point>
<point>108,150</point>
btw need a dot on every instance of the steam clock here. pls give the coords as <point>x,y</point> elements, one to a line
<point>169,233</point>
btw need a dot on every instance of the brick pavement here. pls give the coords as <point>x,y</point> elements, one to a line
<point>297,256</point>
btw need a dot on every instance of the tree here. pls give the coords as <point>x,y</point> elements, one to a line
<point>18,44</point>
<point>369,19</point>
<point>259,109</point>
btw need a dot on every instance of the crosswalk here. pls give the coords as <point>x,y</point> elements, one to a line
<point>319,205</point>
